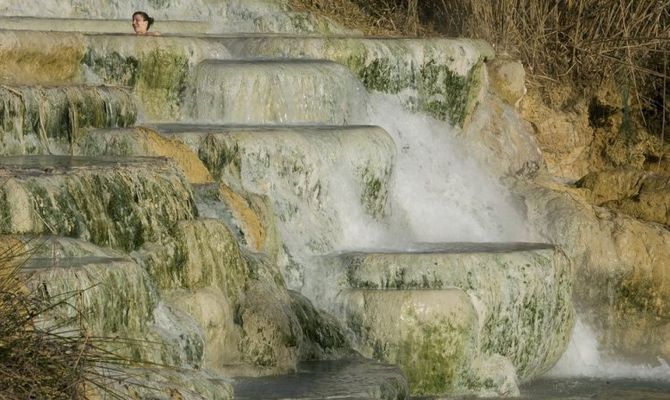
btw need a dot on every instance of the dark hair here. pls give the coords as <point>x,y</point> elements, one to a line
<point>146,17</point>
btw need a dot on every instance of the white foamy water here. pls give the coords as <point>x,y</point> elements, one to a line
<point>584,359</point>
<point>440,191</point>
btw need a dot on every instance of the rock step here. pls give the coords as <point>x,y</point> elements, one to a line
<point>452,265</point>
<point>230,149</point>
<point>97,25</point>
<point>440,76</point>
<point>115,202</point>
<point>512,300</point>
<point>114,293</point>
<point>49,119</point>
<point>301,169</point>
<point>343,379</point>
<point>277,92</point>
<point>296,167</point>
<point>118,299</point>
<point>221,16</point>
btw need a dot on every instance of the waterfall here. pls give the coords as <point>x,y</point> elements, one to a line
<point>439,184</point>
<point>438,193</point>
<point>360,172</point>
<point>584,359</point>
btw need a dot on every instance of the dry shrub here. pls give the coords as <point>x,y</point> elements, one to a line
<point>577,43</point>
<point>373,17</point>
<point>40,360</point>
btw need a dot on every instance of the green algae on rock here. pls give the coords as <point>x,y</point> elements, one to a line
<point>156,68</point>
<point>375,193</point>
<point>201,253</point>
<point>116,203</point>
<point>430,334</point>
<point>50,120</point>
<point>438,76</point>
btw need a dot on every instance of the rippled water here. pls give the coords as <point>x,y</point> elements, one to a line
<point>344,379</point>
<point>596,388</point>
<point>585,389</point>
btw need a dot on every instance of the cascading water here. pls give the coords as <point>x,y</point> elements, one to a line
<point>365,188</point>
<point>583,359</point>
<point>446,195</point>
<point>276,92</point>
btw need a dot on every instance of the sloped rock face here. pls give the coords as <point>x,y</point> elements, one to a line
<point>621,267</point>
<point>579,134</point>
<point>642,195</point>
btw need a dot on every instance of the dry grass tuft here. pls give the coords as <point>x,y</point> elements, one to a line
<point>579,43</point>
<point>39,360</point>
<point>374,17</point>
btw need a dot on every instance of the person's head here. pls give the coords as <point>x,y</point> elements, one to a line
<point>141,22</point>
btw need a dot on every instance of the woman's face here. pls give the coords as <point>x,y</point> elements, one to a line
<point>140,25</point>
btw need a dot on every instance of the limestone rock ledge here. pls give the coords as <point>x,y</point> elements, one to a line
<point>460,317</point>
<point>110,202</point>
<point>622,279</point>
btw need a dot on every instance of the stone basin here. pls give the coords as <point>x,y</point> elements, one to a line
<point>506,306</point>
